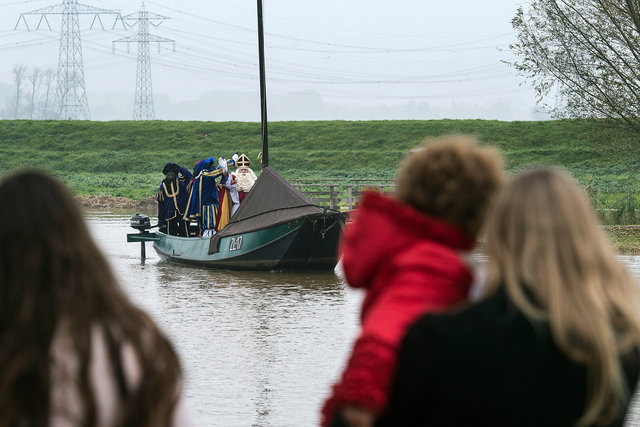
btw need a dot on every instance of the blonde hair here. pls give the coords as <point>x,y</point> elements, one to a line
<point>451,178</point>
<point>546,247</point>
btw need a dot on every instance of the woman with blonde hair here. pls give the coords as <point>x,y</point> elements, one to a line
<point>74,350</point>
<point>556,340</point>
<point>407,252</point>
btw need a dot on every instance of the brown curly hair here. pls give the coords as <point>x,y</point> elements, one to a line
<point>451,178</point>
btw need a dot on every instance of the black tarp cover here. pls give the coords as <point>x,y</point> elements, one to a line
<point>271,201</point>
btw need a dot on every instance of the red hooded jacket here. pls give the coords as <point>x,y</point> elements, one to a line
<point>408,263</point>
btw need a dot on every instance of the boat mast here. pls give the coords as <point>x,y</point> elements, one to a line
<point>263,90</point>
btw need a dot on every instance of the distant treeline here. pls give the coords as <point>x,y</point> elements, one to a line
<point>125,158</point>
<point>32,95</point>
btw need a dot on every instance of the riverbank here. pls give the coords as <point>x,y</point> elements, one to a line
<point>115,203</point>
<point>626,238</point>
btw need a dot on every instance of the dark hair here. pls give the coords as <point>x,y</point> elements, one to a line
<point>452,178</point>
<point>52,273</point>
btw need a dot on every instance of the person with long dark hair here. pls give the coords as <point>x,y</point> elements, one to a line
<point>74,350</point>
<point>554,342</point>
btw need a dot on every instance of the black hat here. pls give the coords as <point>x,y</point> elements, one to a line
<point>170,167</point>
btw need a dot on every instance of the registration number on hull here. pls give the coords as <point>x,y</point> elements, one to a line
<point>235,243</point>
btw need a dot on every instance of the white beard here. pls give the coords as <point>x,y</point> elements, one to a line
<point>245,179</point>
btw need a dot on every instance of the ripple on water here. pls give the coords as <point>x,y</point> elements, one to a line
<point>251,343</point>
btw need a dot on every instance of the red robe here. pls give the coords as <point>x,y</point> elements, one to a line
<point>408,263</point>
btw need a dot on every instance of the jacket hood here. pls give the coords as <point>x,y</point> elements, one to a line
<point>381,227</point>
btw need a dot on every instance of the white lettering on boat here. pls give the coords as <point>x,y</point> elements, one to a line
<point>235,243</point>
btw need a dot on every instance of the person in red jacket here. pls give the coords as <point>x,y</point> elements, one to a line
<point>406,252</point>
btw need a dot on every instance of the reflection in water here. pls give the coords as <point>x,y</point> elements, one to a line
<point>257,348</point>
<point>253,335</point>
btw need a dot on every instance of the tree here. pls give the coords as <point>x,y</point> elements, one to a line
<point>49,77</point>
<point>34,79</point>
<point>587,50</point>
<point>18,79</point>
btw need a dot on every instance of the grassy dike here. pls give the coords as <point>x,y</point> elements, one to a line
<point>125,158</point>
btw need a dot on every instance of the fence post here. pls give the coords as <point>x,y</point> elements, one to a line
<point>333,197</point>
<point>350,196</point>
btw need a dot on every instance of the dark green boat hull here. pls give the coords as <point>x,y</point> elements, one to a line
<point>303,244</point>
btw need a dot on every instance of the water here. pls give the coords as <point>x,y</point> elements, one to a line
<point>257,349</point>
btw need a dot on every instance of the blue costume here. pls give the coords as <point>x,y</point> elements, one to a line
<point>172,199</point>
<point>203,200</point>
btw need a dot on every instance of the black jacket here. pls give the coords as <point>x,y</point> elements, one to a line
<point>487,365</point>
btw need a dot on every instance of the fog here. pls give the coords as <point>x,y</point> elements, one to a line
<point>325,60</point>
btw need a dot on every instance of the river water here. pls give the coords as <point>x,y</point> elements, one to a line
<point>257,349</point>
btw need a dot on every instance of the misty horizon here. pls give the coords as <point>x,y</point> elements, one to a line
<point>365,60</point>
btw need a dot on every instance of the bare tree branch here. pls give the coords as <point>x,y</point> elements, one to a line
<point>588,50</point>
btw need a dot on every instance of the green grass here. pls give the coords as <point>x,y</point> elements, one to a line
<point>125,158</point>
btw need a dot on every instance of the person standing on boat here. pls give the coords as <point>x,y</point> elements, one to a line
<point>203,203</point>
<point>407,253</point>
<point>232,192</point>
<point>228,195</point>
<point>172,199</point>
<point>229,200</point>
<point>244,176</point>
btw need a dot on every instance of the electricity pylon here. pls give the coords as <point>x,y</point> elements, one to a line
<point>70,90</point>
<point>143,107</point>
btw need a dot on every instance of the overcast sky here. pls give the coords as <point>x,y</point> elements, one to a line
<point>325,59</point>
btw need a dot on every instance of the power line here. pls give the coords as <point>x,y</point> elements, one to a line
<point>227,58</point>
<point>315,75</point>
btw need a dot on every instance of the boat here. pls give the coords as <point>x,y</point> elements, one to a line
<point>276,227</point>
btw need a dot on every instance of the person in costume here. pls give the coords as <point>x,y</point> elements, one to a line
<point>244,176</point>
<point>172,199</point>
<point>406,252</point>
<point>204,198</point>
<point>228,197</point>
<point>231,185</point>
